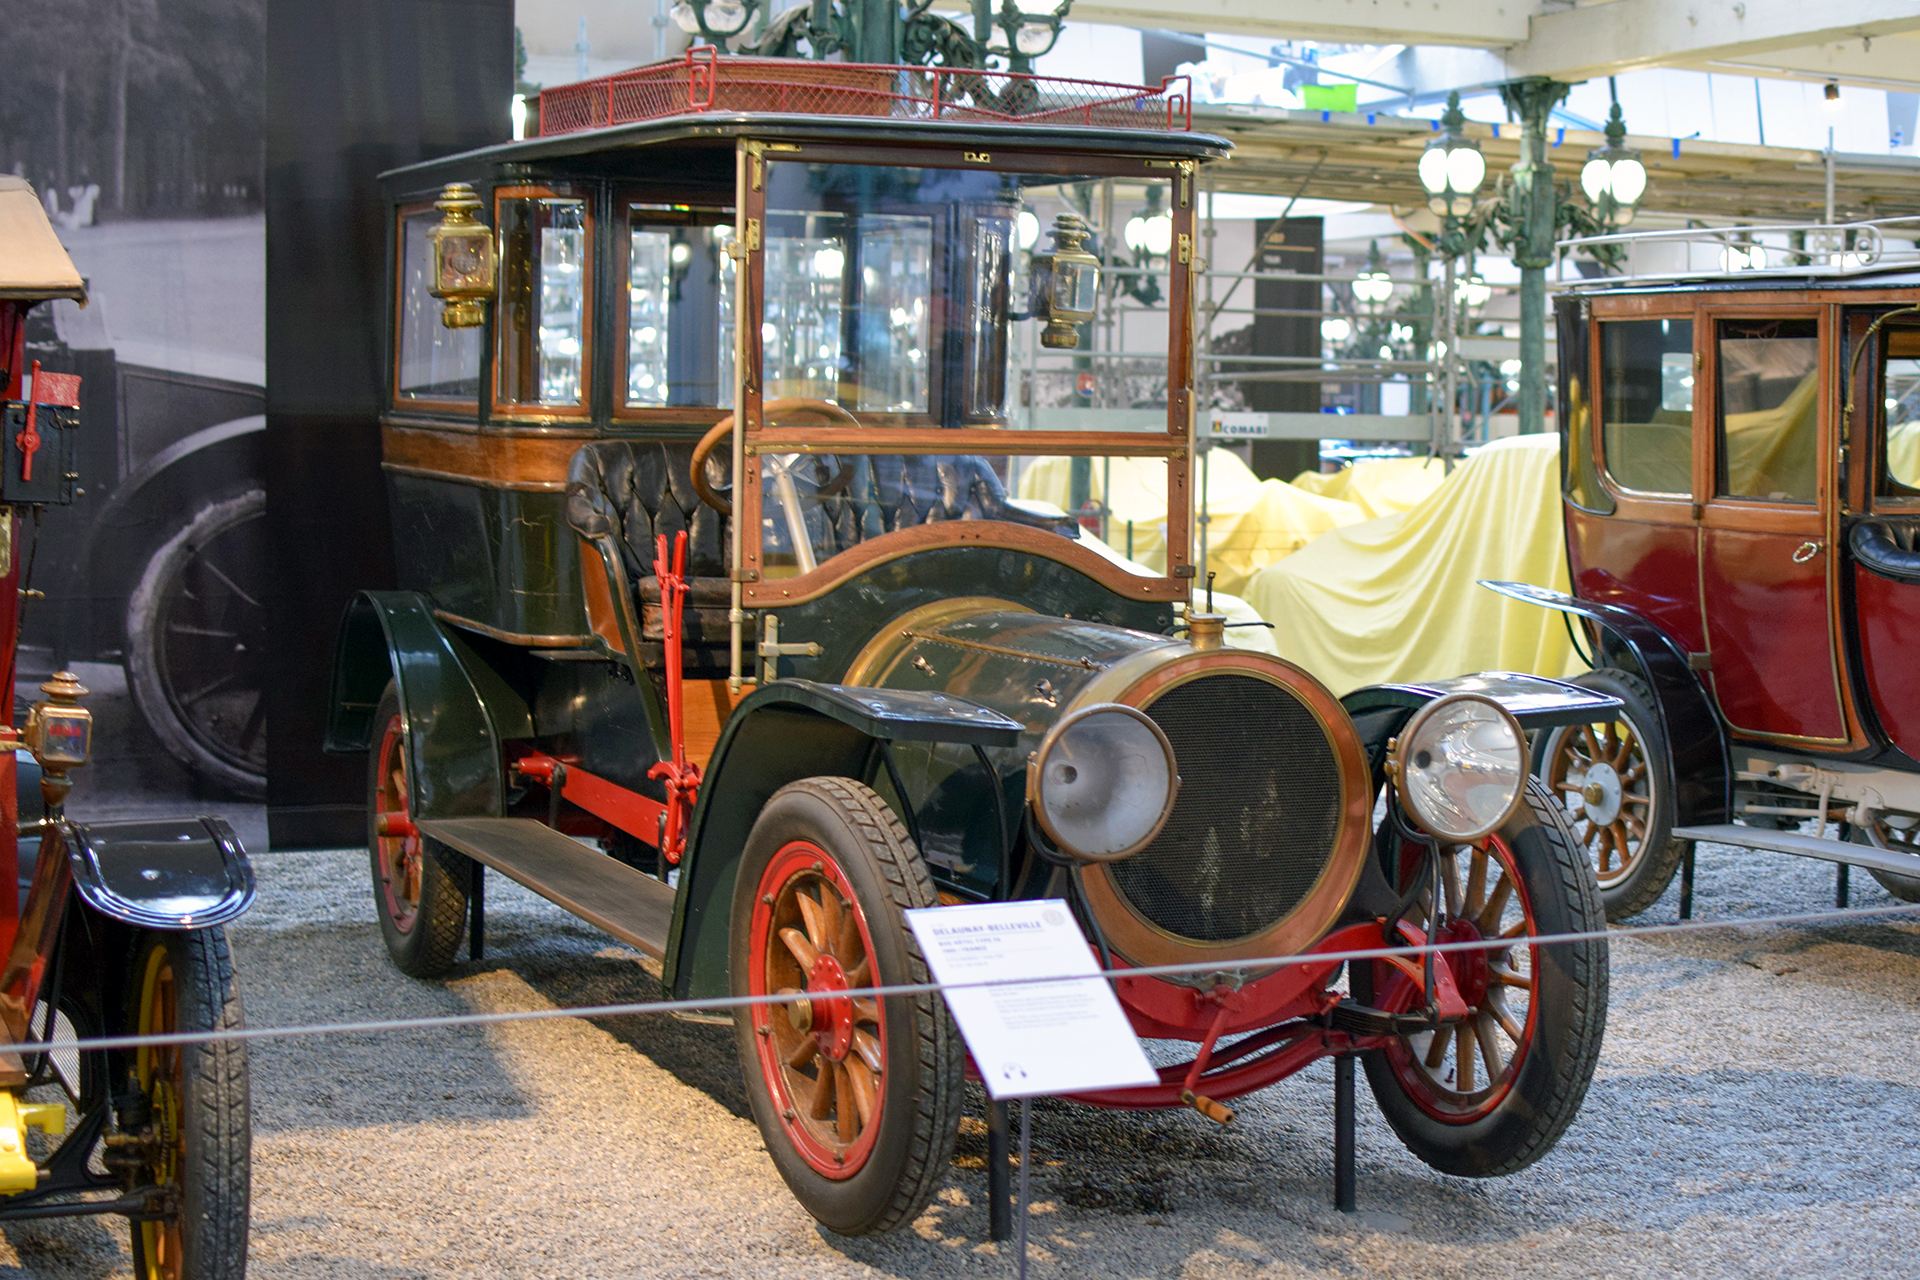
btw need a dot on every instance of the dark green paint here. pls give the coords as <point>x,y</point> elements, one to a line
<point>501,557</point>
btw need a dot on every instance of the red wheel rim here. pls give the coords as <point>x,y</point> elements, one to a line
<point>1464,1070</point>
<point>396,859</point>
<point>822,1057</point>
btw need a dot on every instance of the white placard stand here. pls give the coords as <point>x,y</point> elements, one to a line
<point>1030,1038</point>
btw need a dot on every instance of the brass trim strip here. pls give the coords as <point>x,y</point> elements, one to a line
<point>1075,664</point>
<point>516,637</point>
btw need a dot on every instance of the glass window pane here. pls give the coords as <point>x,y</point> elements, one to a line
<point>1900,393</point>
<point>679,339</point>
<point>542,318</point>
<point>1769,409</point>
<point>1646,404</point>
<point>436,363</point>
<point>649,256</point>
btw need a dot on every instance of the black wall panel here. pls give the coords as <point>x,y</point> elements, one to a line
<point>354,87</point>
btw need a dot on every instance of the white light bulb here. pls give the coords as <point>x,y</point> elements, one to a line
<point>1466,167</point>
<point>828,263</point>
<point>1510,367</point>
<point>1335,330</point>
<point>1594,178</point>
<point>1433,171</point>
<point>1158,235</point>
<point>1136,232</point>
<point>1629,180</point>
<point>1026,229</point>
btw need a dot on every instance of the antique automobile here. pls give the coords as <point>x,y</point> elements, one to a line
<point>719,628</point>
<point>1741,495</point>
<point>119,929</point>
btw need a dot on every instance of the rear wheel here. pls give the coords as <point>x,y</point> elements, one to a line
<point>1610,777</point>
<point>1899,833</point>
<point>196,1140</point>
<point>858,1099</point>
<point>1491,1093</point>
<point>419,891</point>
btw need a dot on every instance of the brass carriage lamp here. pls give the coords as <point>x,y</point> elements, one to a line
<point>59,732</point>
<point>1071,281</point>
<point>462,258</point>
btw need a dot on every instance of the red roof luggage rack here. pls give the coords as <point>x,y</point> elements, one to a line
<point>702,82</point>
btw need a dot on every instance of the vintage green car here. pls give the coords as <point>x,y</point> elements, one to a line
<point>703,449</point>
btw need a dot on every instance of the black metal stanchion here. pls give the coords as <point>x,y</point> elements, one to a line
<point>1686,883</point>
<point>1344,1196</point>
<point>999,1188</point>
<point>477,912</point>
<point>1026,1116</point>
<point>1840,885</point>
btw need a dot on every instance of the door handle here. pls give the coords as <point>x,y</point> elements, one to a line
<point>1806,551</point>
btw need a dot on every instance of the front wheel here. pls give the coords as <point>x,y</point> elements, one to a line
<point>1491,1093</point>
<point>1611,780</point>
<point>858,1099</point>
<point>196,1139</point>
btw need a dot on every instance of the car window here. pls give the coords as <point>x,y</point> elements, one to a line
<point>679,307</point>
<point>435,362</point>
<point>1769,380</point>
<point>1900,397</point>
<point>1646,403</point>
<point>543,291</point>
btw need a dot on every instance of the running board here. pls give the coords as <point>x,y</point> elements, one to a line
<point>605,892</point>
<point>1858,855</point>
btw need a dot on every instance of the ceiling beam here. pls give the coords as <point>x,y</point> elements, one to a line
<point>1891,62</point>
<point>1602,39</point>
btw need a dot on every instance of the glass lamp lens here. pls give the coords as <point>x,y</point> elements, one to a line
<point>1461,206</point>
<point>1595,178</point>
<point>1027,229</point>
<point>1464,767</point>
<point>1136,233</point>
<point>685,18</point>
<point>1158,235</point>
<point>1336,330</point>
<point>1107,781</point>
<point>1433,171</point>
<point>1465,169</point>
<point>1629,180</point>
<point>1032,38</point>
<point>725,15</point>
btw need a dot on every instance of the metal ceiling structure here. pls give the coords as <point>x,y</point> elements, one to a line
<point>1346,157</point>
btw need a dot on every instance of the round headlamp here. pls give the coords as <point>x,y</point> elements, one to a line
<point>1461,766</point>
<point>1102,783</point>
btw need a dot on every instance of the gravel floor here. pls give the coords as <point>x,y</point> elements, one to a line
<point>1755,1114</point>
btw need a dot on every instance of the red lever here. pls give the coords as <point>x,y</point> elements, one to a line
<point>681,775</point>
<point>29,440</point>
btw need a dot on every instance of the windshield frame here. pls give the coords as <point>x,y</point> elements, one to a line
<point>753,437</point>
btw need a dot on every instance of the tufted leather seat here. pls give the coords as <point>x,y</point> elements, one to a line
<point>1890,548</point>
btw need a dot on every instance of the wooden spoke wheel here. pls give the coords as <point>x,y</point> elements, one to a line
<point>419,889</point>
<point>196,1139</point>
<point>1610,778</point>
<point>1490,1093</point>
<point>858,1099</point>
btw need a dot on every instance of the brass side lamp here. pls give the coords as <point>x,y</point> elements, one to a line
<point>59,732</point>
<point>463,262</point>
<point>1072,282</point>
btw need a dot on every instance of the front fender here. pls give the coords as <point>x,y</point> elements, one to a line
<point>1700,771</point>
<point>780,733</point>
<point>455,766</point>
<point>168,873</point>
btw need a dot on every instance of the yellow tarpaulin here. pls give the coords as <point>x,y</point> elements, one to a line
<point>1378,486</point>
<point>1396,598</point>
<point>1251,522</point>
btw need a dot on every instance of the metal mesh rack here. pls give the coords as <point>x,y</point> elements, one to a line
<point>704,82</point>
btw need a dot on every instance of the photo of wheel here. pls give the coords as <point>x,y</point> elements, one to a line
<point>1491,1093</point>
<point>1610,780</point>
<point>858,1100</point>
<point>196,648</point>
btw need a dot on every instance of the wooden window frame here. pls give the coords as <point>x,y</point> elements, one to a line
<point>515,411</point>
<point>411,404</point>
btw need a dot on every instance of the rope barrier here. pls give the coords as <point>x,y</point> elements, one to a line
<point>727,1003</point>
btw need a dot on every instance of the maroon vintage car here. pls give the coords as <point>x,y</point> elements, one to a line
<point>1741,476</point>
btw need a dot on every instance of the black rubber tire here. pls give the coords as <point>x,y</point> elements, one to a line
<point>923,1080</point>
<point>198,617</point>
<point>213,1175</point>
<point>1659,855</point>
<point>426,945</point>
<point>1569,1016</point>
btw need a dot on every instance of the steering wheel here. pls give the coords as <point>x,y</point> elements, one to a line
<point>724,428</point>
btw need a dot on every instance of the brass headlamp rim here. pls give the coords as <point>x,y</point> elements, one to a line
<point>1396,766</point>
<point>1037,763</point>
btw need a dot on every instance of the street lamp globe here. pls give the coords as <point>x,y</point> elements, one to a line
<point>1452,168</point>
<point>1372,287</point>
<point>1613,177</point>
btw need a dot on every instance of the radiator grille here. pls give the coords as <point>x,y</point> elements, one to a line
<point>1258,815</point>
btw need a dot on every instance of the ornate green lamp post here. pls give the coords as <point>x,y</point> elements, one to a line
<point>881,31</point>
